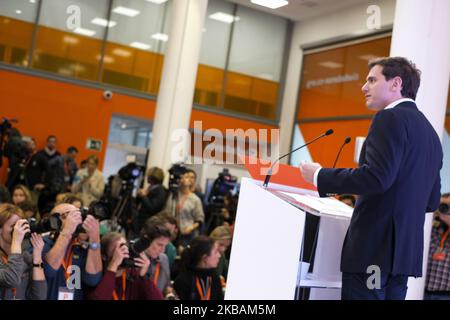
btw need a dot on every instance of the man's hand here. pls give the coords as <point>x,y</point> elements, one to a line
<point>71,222</point>
<point>92,227</point>
<point>142,193</point>
<point>308,170</point>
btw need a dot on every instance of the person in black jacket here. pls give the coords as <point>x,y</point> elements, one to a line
<point>198,279</point>
<point>152,199</point>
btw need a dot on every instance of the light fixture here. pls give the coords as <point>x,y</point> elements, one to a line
<point>32,1</point>
<point>331,65</point>
<point>84,32</point>
<point>121,52</point>
<point>103,22</point>
<point>223,17</point>
<point>106,58</point>
<point>156,1</point>
<point>126,11</point>
<point>123,126</point>
<point>272,4</point>
<point>368,57</point>
<point>18,11</point>
<point>140,45</point>
<point>160,36</point>
<point>70,40</point>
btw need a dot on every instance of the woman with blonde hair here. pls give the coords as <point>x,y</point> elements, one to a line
<point>21,194</point>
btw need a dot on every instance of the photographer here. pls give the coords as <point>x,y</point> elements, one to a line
<point>158,271</point>
<point>119,283</point>
<point>89,183</point>
<point>18,153</point>
<point>187,208</point>
<point>70,167</point>
<point>152,199</point>
<point>71,250</point>
<point>21,273</point>
<point>438,274</point>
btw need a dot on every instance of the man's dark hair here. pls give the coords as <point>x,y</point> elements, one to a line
<point>445,195</point>
<point>403,68</point>
<point>72,149</point>
<point>192,171</point>
<point>153,229</point>
<point>350,197</point>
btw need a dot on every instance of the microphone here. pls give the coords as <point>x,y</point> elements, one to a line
<point>347,141</point>
<point>269,174</point>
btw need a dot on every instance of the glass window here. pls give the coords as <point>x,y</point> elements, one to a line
<point>69,37</point>
<point>213,53</point>
<point>256,58</point>
<point>137,40</point>
<point>16,29</point>
<point>130,131</point>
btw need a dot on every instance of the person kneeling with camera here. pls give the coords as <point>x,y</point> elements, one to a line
<point>21,273</point>
<point>124,277</point>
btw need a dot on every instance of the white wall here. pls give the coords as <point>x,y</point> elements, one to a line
<point>348,22</point>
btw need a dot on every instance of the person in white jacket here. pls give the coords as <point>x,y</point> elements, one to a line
<point>89,183</point>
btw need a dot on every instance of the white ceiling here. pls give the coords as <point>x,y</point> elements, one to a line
<point>298,10</point>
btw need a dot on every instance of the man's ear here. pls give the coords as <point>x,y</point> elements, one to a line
<point>397,84</point>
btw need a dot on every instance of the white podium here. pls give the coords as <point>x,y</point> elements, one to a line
<point>268,241</point>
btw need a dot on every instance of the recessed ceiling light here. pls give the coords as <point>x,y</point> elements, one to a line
<point>160,37</point>
<point>272,4</point>
<point>126,11</point>
<point>103,22</point>
<point>331,65</point>
<point>368,57</point>
<point>19,11</point>
<point>32,1</point>
<point>140,45</point>
<point>121,52</point>
<point>157,1</point>
<point>70,40</point>
<point>223,17</point>
<point>123,126</point>
<point>84,32</point>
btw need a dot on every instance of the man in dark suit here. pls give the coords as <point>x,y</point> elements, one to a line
<point>398,182</point>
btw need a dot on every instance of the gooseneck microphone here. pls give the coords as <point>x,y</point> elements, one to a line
<point>347,141</point>
<point>269,174</point>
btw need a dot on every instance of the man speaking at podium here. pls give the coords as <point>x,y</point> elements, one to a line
<point>398,182</point>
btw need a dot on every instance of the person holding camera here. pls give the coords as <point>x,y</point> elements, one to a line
<point>21,273</point>
<point>89,183</point>
<point>72,262</point>
<point>152,199</point>
<point>438,274</point>
<point>159,270</point>
<point>198,279</point>
<point>120,282</point>
<point>187,208</point>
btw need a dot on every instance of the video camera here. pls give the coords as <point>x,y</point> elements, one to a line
<point>135,249</point>
<point>176,171</point>
<point>131,172</point>
<point>224,183</point>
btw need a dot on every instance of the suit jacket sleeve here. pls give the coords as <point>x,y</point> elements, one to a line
<point>385,145</point>
<point>435,197</point>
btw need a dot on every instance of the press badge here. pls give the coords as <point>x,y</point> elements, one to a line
<point>65,293</point>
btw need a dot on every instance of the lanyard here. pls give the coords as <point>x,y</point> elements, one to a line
<point>124,287</point>
<point>67,261</point>
<point>5,261</point>
<point>156,275</point>
<point>202,289</point>
<point>442,241</point>
<point>180,204</point>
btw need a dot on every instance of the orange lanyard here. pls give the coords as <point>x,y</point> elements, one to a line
<point>442,242</point>
<point>156,276</point>
<point>181,204</point>
<point>201,290</point>
<point>124,287</point>
<point>67,261</point>
<point>13,290</point>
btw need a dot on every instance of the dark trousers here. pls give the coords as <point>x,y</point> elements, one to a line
<point>355,287</point>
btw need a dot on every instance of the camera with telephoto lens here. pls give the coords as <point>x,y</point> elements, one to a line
<point>98,209</point>
<point>176,171</point>
<point>135,249</point>
<point>444,208</point>
<point>49,224</point>
<point>130,172</point>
